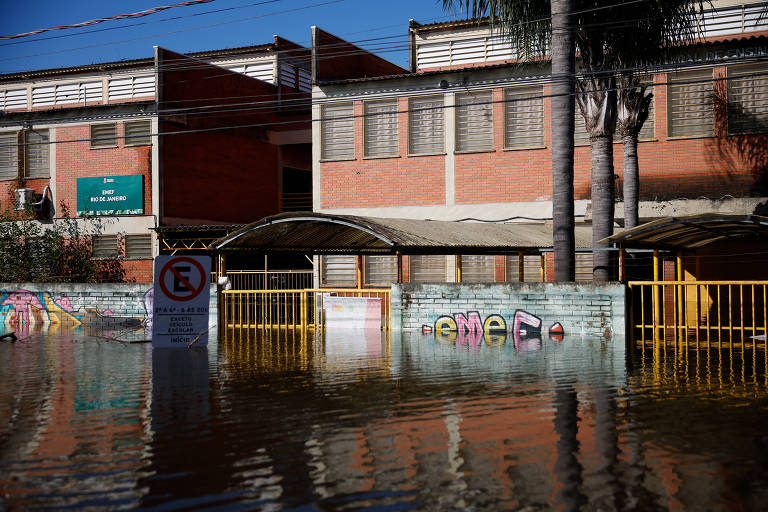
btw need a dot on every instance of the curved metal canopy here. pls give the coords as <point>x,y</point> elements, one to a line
<point>693,231</point>
<point>318,233</point>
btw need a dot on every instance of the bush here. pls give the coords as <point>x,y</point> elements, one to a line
<point>58,252</point>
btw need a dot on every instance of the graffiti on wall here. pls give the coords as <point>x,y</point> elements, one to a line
<point>469,329</point>
<point>20,309</point>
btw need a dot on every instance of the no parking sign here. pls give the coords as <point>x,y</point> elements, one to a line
<point>181,301</point>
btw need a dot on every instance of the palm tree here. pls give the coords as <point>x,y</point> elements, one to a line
<point>610,36</point>
<point>534,25</point>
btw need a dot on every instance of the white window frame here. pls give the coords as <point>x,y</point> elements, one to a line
<point>341,118</point>
<point>426,119</point>
<point>519,101</point>
<point>381,133</point>
<point>100,141</point>
<point>482,141</point>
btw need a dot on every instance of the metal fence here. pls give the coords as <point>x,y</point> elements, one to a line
<point>270,280</point>
<point>290,309</point>
<point>701,312</point>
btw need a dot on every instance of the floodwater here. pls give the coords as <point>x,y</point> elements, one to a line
<point>354,421</point>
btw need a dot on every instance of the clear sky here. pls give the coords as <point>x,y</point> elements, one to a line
<point>213,25</point>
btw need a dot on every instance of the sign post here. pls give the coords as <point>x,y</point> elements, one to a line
<point>181,301</point>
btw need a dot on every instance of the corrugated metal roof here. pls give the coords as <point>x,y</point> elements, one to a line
<point>692,232</point>
<point>317,233</point>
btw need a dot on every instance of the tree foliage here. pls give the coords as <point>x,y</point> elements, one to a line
<point>58,252</point>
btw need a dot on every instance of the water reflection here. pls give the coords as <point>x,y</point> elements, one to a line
<point>274,420</point>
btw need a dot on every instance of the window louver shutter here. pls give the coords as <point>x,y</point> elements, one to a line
<point>531,268</point>
<point>9,156</point>
<point>339,271</point>
<point>691,104</point>
<point>478,269</point>
<point>748,99</point>
<point>380,270</point>
<point>524,117</point>
<point>138,246</point>
<point>425,124</point>
<point>103,135</point>
<point>583,267</point>
<point>105,246</point>
<point>37,153</point>
<point>474,121</point>
<point>338,132</point>
<point>427,269</point>
<point>380,129</point>
<point>138,133</point>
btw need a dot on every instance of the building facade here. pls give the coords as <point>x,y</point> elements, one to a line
<point>171,140</point>
<point>465,134</point>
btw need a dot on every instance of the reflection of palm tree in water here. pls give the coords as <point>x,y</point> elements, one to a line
<point>568,470</point>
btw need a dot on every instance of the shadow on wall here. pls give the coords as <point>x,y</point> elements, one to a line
<point>740,147</point>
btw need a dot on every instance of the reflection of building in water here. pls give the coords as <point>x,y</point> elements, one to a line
<point>83,421</point>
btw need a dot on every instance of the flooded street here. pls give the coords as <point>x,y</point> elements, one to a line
<point>353,421</point>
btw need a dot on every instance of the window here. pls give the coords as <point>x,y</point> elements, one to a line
<point>580,134</point>
<point>691,106</point>
<point>583,267</point>
<point>104,135</point>
<point>9,156</point>
<point>380,270</point>
<point>138,246</point>
<point>137,133</point>
<point>380,125</point>
<point>474,121</point>
<point>648,131</point>
<point>524,117</point>
<point>37,154</point>
<point>531,268</point>
<point>337,132</point>
<point>104,246</point>
<point>425,125</point>
<point>747,98</point>
<point>339,271</point>
<point>478,269</point>
<point>428,269</point>
<point>131,87</point>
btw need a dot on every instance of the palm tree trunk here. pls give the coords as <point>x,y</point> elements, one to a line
<point>631,181</point>
<point>563,105</point>
<point>602,205</point>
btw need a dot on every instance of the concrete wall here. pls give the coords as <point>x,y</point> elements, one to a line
<point>517,308</point>
<point>73,304</point>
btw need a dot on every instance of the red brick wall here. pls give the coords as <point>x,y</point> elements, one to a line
<point>138,271</point>
<point>77,160</point>
<point>669,168</point>
<point>219,165</point>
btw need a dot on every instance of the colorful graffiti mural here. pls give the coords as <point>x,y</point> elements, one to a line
<point>20,309</point>
<point>471,330</point>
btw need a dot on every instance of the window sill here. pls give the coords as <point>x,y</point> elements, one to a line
<point>323,160</point>
<point>137,258</point>
<point>528,148</point>
<point>410,155</point>
<point>103,147</point>
<point>137,145</point>
<point>688,137</point>
<point>380,157</point>
<point>471,151</point>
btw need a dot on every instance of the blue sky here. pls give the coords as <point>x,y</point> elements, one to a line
<point>240,23</point>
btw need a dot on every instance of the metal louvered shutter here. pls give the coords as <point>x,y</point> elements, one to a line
<point>583,267</point>
<point>524,117</point>
<point>478,269</point>
<point>104,246</point>
<point>138,133</point>
<point>427,268</point>
<point>474,121</point>
<point>648,131</point>
<point>9,156</point>
<point>691,107</point>
<point>380,270</point>
<point>426,125</point>
<point>380,128</point>
<point>337,132</point>
<point>37,154</point>
<point>138,246</point>
<point>531,268</point>
<point>748,99</point>
<point>339,271</point>
<point>580,134</point>
<point>103,135</point>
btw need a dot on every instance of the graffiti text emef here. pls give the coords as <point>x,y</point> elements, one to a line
<point>471,330</point>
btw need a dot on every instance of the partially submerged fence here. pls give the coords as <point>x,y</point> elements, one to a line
<point>700,312</point>
<point>290,309</point>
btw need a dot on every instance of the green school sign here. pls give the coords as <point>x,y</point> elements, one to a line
<point>111,195</point>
